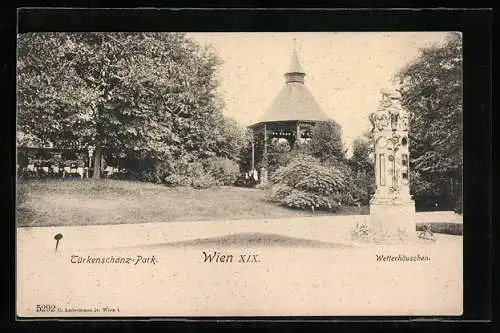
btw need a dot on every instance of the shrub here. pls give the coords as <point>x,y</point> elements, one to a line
<point>176,179</point>
<point>156,173</point>
<point>203,181</point>
<point>279,154</point>
<point>305,183</point>
<point>361,187</point>
<point>126,175</point>
<point>223,170</point>
<point>447,228</point>
<point>185,173</point>
<point>20,194</point>
<point>362,232</point>
<point>304,200</point>
<point>198,174</point>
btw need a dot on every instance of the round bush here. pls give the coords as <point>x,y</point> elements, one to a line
<point>305,183</point>
<point>223,170</point>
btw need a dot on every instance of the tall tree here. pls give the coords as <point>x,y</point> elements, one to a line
<point>145,94</point>
<point>431,88</point>
<point>230,138</point>
<point>326,142</point>
<point>362,153</point>
<point>362,170</point>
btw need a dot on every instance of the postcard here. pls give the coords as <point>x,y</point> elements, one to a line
<point>180,174</point>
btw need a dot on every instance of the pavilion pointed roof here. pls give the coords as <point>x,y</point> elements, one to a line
<point>295,64</point>
<point>294,102</point>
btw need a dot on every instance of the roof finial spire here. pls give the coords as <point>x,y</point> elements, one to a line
<point>295,72</point>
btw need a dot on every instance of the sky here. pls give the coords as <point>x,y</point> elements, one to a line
<point>345,71</point>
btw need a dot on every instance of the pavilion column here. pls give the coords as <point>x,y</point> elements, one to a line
<point>253,152</point>
<point>297,134</point>
<point>263,171</point>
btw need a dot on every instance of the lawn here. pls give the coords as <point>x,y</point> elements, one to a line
<point>91,202</point>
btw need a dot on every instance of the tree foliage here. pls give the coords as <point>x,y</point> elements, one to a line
<point>151,96</point>
<point>431,89</point>
<point>361,163</point>
<point>362,153</point>
<point>326,142</point>
<point>230,138</point>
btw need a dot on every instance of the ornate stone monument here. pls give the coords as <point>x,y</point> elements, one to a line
<point>392,209</point>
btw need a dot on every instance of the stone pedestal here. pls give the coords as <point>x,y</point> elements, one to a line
<point>396,217</point>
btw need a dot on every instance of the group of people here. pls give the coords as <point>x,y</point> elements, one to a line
<point>249,178</point>
<point>252,175</point>
<point>56,171</point>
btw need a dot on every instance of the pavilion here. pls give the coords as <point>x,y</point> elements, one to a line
<point>292,115</point>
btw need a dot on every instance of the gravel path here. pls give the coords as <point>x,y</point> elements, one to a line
<point>295,267</point>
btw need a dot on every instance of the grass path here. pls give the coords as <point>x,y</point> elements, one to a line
<point>89,202</point>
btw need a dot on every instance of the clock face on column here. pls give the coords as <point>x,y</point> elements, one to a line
<point>382,142</point>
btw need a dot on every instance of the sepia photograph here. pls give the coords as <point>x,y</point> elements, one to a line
<point>211,174</point>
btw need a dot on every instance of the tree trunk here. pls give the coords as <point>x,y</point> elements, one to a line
<point>97,162</point>
<point>264,153</point>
